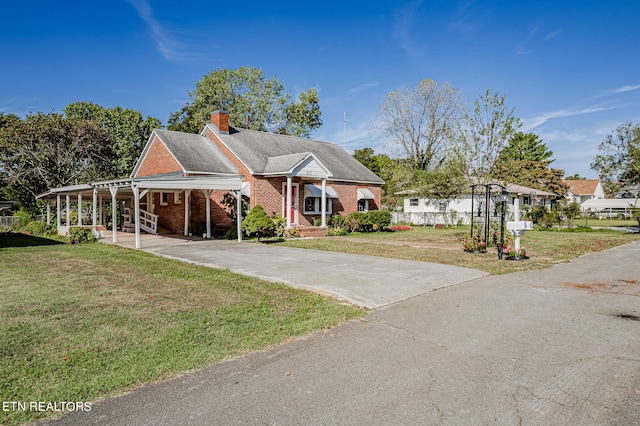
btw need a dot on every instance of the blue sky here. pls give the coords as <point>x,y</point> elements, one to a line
<point>570,69</point>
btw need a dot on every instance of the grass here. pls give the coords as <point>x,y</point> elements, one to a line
<point>443,246</point>
<point>85,322</point>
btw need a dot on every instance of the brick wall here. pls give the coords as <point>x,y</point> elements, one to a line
<point>158,160</point>
<point>171,216</point>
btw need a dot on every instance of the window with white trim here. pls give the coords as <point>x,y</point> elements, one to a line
<point>313,205</point>
<point>413,202</point>
<point>363,205</point>
<point>164,198</point>
<point>177,197</point>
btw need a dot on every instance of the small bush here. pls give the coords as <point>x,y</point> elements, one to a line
<point>372,221</point>
<point>258,224</point>
<point>79,235</point>
<point>280,223</point>
<point>37,227</point>
<point>292,233</point>
<point>317,221</point>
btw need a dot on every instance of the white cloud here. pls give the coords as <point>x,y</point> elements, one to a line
<point>403,24</point>
<point>361,88</point>
<point>624,89</point>
<point>166,42</point>
<point>552,35</point>
<point>533,122</point>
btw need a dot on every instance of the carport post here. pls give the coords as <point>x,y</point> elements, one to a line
<point>114,213</point>
<point>95,209</point>
<point>239,215</point>
<point>48,212</point>
<point>79,209</point>
<point>207,194</point>
<point>187,193</point>
<point>58,220</point>
<point>136,216</point>
<point>68,208</point>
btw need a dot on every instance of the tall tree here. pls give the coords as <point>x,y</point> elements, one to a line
<point>48,150</point>
<point>526,161</point>
<point>128,129</point>
<point>253,101</point>
<point>618,159</point>
<point>534,174</point>
<point>485,132</point>
<point>525,146</point>
<point>419,121</point>
<point>395,173</point>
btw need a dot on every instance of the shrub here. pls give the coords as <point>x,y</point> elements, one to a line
<point>372,221</point>
<point>258,224</point>
<point>79,235</point>
<point>37,227</point>
<point>200,228</point>
<point>280,223</point>
<point>317,221</point>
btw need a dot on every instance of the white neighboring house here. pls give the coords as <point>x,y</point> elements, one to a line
<point>590,194</point>
<point>582,190</point>
<point>425,211</point>
<point>609,208</point>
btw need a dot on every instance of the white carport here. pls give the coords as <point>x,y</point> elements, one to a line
<point>136,188</point>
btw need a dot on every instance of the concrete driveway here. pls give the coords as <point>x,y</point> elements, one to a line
<point>366,281</point>
<point>554,347</point>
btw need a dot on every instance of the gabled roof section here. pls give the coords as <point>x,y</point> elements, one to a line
<point>582,186</point>
<point>284,163</point>
<point>260,152</point>
<point>195,154</point>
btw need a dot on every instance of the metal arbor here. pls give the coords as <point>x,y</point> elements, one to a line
<point>488,209</point>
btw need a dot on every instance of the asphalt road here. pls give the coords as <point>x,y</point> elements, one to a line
<point>554,347</point>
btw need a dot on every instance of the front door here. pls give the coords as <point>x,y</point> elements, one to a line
<point>294,202</point>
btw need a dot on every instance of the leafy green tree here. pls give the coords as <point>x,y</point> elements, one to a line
<point>395,173</point>
<point>525,146</point>
<point>570,211</point>
<point>47,151</point>
<point>258,224</point>
<point>534,174</point>
<point>441,185</point>
<point>618,159</point>
<point>128,129</point>
<point>485,133</point>
<point>253,101</point>
<point>419,122</point>
<point>526,161</point>
<point>574,176</point>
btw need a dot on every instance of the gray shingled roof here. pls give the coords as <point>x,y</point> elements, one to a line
<point>196,153</point>
<point>255,148</point>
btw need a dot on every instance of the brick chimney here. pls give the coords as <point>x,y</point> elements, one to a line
<point>220,119</point>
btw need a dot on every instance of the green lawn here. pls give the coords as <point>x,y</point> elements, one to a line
<point>428,244</point>
<point>84,322</point>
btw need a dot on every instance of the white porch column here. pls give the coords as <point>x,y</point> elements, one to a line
<point>114,213</point>
<point>239,215</point>
<point>95,209</point>
<point>79,209</point>
<point>207,194</point>
<point>48,213</point>
<point>288,203</point>
<point>68,207</point>
<point>101,215</point>
<point>187,193</point>
<point>323,203</point>
<point>58,211</point>
<point>136,215</point>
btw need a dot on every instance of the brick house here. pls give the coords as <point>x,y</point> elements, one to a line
<point>180,180</point>
<point>286,175</point>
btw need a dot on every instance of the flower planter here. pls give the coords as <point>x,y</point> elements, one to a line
<point>517,257</point>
